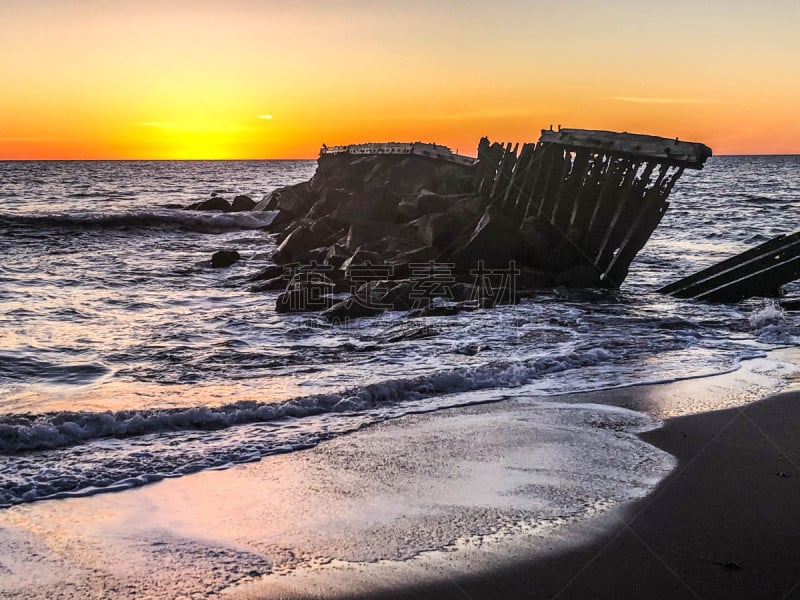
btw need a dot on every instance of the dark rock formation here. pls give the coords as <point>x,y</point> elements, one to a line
<point>213,203</point>
<point>224,258</point>
<point>242,203</point>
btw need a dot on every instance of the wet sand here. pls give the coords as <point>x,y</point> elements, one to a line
<point>382,513</point>
<point>726,524</point>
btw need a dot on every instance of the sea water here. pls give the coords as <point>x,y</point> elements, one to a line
<point>125,358</point>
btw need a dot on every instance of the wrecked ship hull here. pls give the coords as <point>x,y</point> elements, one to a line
<point>572,209</point>
<point>600,195</point>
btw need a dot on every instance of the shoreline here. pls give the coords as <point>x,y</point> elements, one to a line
<point>373,514</point>
<point>724,524</point>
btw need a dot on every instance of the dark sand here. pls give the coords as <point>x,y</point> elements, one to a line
<point>725,524</point>
<point>373,514</point>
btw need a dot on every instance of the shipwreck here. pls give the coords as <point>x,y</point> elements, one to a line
<point>417,226</point>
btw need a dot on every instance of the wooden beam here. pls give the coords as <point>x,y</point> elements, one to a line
<point>691,155</point>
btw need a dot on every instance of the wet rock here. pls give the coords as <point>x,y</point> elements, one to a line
<point>437,310</point>
<point>377,206</point>
<point>242,203</point>
<point>539,238</point>
<point>269,272</point>
<point>400,297</point>
<point>362,257</point>
<point>463,292</point>
<point>328,201</point>
<point>579,277</point>
<point>271,285</point>
<point>417,255</point>
<point>442,229</point>
<point>495,241</point>
<point>294,200</point>
<point>214,203</point>
<point>315,255</point>
<point>295,245</point>
<point>312,296</point>
<point>361,234</point>
<point>351,308</point>
<point>224,258</point>
<point>280,222</point>
<point>336,255</point>
<point>429,203</point>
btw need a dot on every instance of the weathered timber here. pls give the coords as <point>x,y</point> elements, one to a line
<point>760,271</point>
<point>603,193</point>
<point>650,147</point>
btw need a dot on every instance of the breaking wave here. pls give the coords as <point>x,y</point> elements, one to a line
<point>48,431</point>
<point>191,221</point>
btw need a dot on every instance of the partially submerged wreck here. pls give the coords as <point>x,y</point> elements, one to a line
<point>760,271</point>
<point>416,226</point>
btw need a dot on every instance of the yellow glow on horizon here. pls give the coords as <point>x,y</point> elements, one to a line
<point>180,79</point>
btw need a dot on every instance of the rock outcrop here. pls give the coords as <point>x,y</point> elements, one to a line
<point>224,258</point>
<point>416,224</point>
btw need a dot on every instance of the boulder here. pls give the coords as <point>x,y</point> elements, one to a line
<point>417,255</point>
<point>442,229</point>
<point>328,200</point>
<point>224,258</point>
<point>327,230</point>
<point>214,203</point>
<point>429,203</point>
<point>296,200</point>
<point>362,257</point>
<point>271,285</point>
<point>269,272</point>
<point>408,208</point>
<point>306,296</point>
<point>294,225</point>
<point>360,234</point>
<point>464,292</point>
<point>336,255</point>
<point>242,203</point>
<point>399,297</point>
<point>376,206</point>
<point>437,310</point>
<point>372,293</point>
<point>280,222</point>
<point>495,240</point>
<point>351,308</point>
<point>299,241</point>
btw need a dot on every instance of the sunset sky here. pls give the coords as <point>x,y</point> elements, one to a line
<point>275,79</point>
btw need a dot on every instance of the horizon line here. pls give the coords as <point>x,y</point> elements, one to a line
<point>280,159</point>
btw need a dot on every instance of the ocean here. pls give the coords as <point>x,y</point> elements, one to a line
<point>126,359</point>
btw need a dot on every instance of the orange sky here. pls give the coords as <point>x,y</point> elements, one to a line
<point>190,78</point>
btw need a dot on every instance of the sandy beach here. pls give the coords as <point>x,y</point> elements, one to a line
<point>459,503</point>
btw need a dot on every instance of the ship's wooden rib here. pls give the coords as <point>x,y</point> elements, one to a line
<point>760,271</point>
<point>603,192</point>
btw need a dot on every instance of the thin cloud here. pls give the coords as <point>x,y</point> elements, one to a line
<point>265,117</point>
<point>646,100</point>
